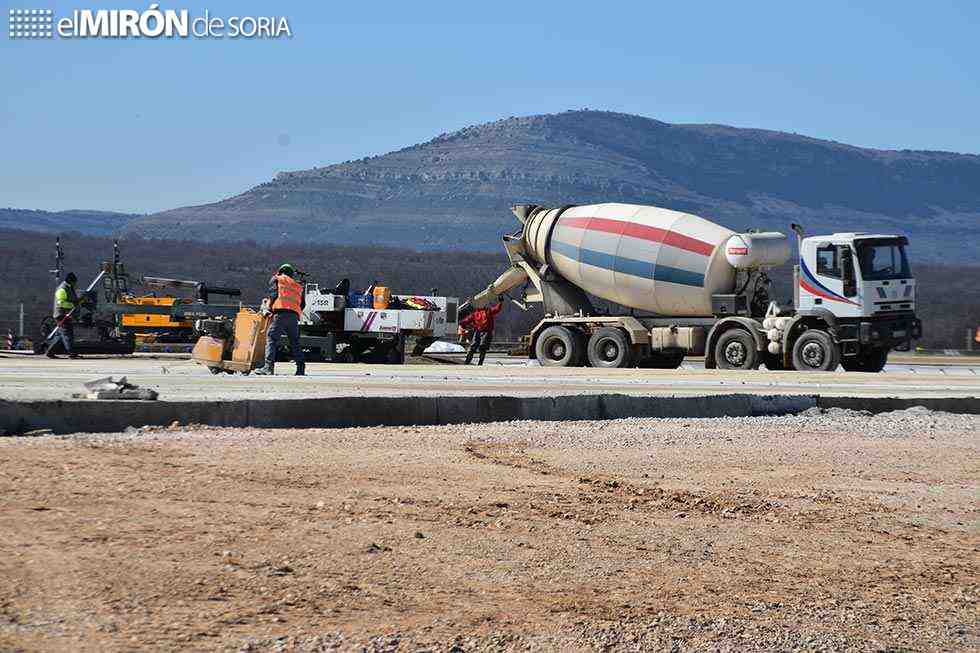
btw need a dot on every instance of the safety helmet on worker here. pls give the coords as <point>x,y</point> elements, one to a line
<point>287,269</point>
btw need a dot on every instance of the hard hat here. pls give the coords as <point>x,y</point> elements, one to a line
<point>71,278</point>
<point>286,268</point>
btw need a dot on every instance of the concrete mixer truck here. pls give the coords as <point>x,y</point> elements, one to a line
<point>678,285</point>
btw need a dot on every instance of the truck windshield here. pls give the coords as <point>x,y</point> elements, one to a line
<point>883,259</point>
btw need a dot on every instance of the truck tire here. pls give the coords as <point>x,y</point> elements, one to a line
<point>662,361</point>
<point>558,346</point>
<point>870,360</point>
<point>736,350</point>
<point>610,347</point>
<point>394,356</point>
<point>815,351</point>
<point>348,355</point>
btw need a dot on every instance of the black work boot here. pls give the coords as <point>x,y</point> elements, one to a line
<point>301,369</point>
<point>265,371</point>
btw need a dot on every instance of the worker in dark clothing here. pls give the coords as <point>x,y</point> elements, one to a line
<point>65,302</point>
<point>286,301</point>
<point>481,323</point>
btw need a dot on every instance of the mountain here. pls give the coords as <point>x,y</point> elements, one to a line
<point>455,190</point>
<point>90,223</point>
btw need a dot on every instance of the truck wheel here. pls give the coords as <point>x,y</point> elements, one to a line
<point>395,356</point>
<point>662,361</point>
<point>870,360</point>
<point>557,346</point>
<point>735,350</point>
<point>348,355</point>
<point>609,347</point>
<point>815,351</point>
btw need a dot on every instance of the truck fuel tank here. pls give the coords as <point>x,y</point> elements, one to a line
<point>757,250</point>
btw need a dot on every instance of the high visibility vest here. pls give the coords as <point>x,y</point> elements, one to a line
<point>290,294</point>
<point>63,299</point>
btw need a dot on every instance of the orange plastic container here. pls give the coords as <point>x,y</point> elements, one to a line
<point>382,297</point>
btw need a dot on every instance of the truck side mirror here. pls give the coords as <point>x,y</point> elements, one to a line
<point>847,270</point>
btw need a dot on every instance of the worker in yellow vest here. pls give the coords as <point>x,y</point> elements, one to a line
<point>66,300</point>
<point>286,302</point>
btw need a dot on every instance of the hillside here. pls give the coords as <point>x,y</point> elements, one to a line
<point>454,191</point>
<point>92,223</point>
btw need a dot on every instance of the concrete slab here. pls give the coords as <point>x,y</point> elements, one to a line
<point>36,393</point>
<point>31,379</point>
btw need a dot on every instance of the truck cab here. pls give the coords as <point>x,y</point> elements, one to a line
<point>862,288</point>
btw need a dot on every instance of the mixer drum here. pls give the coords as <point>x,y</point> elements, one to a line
<point>652,259</point>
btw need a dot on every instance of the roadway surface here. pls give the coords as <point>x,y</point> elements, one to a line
<point>27,378</point>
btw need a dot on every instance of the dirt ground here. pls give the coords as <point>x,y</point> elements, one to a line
<point>840,531</point>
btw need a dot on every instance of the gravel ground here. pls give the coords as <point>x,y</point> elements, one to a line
<point>830,530</point>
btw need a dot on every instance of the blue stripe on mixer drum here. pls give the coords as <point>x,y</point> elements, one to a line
<point>644,269</point>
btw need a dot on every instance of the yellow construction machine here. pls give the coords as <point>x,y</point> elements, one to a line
<point>231,347</point>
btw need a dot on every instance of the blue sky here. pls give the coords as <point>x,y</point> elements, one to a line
<point>145,125</point>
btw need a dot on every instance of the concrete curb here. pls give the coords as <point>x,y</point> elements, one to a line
<point>338,412</point>
<point>962,405</point>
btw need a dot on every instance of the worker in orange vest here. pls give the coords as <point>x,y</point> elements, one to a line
<point>286,302</point>
<point>481,323</point>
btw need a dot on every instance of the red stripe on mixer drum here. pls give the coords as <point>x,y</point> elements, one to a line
<point>641,231</point>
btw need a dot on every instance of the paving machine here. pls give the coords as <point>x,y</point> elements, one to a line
<point>96,331</point>
<point>167,327</point>
<point>112,320</point>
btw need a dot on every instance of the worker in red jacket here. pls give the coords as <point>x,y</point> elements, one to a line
<point>481,323</point>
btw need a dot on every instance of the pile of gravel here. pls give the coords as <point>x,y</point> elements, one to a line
<point>915,422</point>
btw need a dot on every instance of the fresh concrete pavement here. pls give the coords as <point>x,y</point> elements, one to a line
<point>37,393</point>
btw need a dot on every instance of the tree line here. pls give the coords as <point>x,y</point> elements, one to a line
<point>949,295</point>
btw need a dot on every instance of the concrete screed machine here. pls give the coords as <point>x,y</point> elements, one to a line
<point>687,286</point>
<point>113,318</point>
